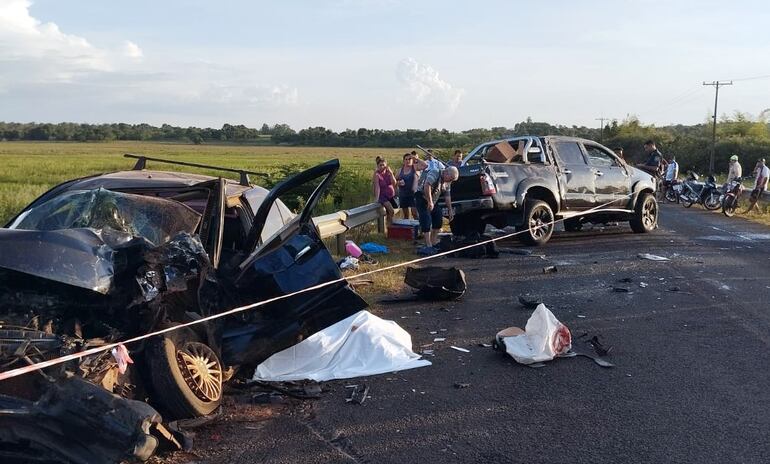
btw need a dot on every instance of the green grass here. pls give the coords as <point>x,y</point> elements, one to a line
<point>31,168</point>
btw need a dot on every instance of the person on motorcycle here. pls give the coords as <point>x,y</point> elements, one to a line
<point>735,170</point>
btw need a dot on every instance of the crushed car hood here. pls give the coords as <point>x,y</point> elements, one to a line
<point>84,258</point>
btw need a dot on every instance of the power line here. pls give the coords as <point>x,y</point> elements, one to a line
<point>601,128</point>
<point>767,76</point>
<point>716,85</point>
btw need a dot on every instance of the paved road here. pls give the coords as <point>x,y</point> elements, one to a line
<point>691,382</point>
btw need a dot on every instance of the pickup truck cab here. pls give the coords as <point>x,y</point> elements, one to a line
<point>548,179</point>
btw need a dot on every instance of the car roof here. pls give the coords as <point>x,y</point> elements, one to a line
<point>145,178</point>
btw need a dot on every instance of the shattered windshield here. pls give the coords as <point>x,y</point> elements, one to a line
<point>155,219</point>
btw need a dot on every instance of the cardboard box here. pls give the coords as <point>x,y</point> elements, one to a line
<point>503,152</point>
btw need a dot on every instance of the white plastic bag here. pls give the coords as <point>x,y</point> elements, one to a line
<point>543,338</point>
<point>361,345</point>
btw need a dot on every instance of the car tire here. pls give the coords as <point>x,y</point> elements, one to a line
<point>538,223</point>
<point>573,225</point>
<point>186,375</point>
<point>645,217</point>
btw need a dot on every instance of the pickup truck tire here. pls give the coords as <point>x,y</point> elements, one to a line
<point>538,223</point>
<point>186,375</point>
<point>645,217</point>
<point>573,225</point>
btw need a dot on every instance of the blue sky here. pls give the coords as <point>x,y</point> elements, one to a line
<point>379,63</point>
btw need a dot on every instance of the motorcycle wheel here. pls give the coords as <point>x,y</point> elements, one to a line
<point>711,202</point>
<point>671,195</point>
<point>729,205</point>
<point>686,201</point>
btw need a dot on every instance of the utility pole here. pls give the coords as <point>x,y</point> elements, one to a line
<point>601,128</point>
<point>716,85</point>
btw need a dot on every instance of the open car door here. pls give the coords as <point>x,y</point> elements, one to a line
<point>292,259</point>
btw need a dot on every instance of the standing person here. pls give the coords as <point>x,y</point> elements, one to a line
<point>457,159</point>
<point>431,184</point>
<point>619,151</point>
<point>431,161</point>
<point>407,184</point>
<point>672,171</point>
<point>760,184</point>
<point>384,185</point>
<point>735,171</point>
<point>655,163</point>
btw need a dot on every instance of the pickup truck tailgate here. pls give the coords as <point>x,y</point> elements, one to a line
<point>468,186</point>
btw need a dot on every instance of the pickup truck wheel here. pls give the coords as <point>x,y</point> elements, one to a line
<point>186,375</point>
<point>538,225</point>
<point>645,217</point>
<point>573,225</point>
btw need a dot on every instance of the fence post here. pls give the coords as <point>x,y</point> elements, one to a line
<point>381,224</point>
<point>341,244</point>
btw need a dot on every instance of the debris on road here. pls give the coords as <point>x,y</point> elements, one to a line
<point>436,283</point>
<point>542,339</point>
<point>463,350</point>
<point>549,269</point>
<point>358,394</point>
<point>461,385</point>
<point>361,345</point>
<point>652,257</point>
<point>439,339</point>
<point>530,302</point>
<point>621,289</point>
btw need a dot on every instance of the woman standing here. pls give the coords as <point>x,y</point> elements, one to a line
<point>384,184</point>
<point>407,184</point>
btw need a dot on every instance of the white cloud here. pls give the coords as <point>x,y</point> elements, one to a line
<point>36,51</point>
<point>250,95</point>
<point>426,88</point>
<point>132,50</point>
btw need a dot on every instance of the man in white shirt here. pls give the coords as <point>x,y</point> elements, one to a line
<point>760,184</point>
<point>672,170</point>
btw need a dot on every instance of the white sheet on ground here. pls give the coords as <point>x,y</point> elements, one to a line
<point>361,345</point>
<point>543,339</point>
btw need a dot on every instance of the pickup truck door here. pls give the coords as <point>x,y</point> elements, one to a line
<point>575,174</point>
<point>611,179</point>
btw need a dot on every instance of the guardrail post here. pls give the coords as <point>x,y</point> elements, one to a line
<point>341,245</point>
<point>381,224</point>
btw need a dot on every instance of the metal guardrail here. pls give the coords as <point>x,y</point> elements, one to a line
<point>337,224</point>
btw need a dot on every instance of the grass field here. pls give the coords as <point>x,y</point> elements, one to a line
<point>30,168</point>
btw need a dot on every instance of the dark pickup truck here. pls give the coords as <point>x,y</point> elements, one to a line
<point>530,182</point>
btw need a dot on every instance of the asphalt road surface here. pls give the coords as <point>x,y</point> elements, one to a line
<point>690,342</point>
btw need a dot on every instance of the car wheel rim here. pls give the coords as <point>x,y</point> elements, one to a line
<point>649,213</point>
<point>539,223</point>
<point>201,370</point>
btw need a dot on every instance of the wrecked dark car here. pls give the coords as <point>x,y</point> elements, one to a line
<point>103,259</point>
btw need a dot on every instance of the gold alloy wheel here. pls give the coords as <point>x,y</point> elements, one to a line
<point>201,370</point>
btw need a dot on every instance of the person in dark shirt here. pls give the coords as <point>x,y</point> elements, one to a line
<point>655,163</point>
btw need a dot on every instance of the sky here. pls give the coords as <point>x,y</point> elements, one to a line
<point>387,64</point>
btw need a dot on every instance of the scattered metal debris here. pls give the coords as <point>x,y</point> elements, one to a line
<point>549,269</point>
<point>652,257</point>
<point>358,394</point>
<point>463,350</point>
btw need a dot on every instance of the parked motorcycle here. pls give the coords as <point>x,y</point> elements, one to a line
<point>674,191</point>
<point>704,193</point>
<point>732,194</point>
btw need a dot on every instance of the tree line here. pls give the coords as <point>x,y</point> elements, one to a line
<point>739,134</point>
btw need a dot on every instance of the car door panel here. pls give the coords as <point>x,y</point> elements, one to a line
<point>611,178</point>
<point>292,260</point>
<point>575,174</point>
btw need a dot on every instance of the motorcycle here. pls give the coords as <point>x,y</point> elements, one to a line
<point>674,191</point>
<point>704,193</point>
<point>732,194</point>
